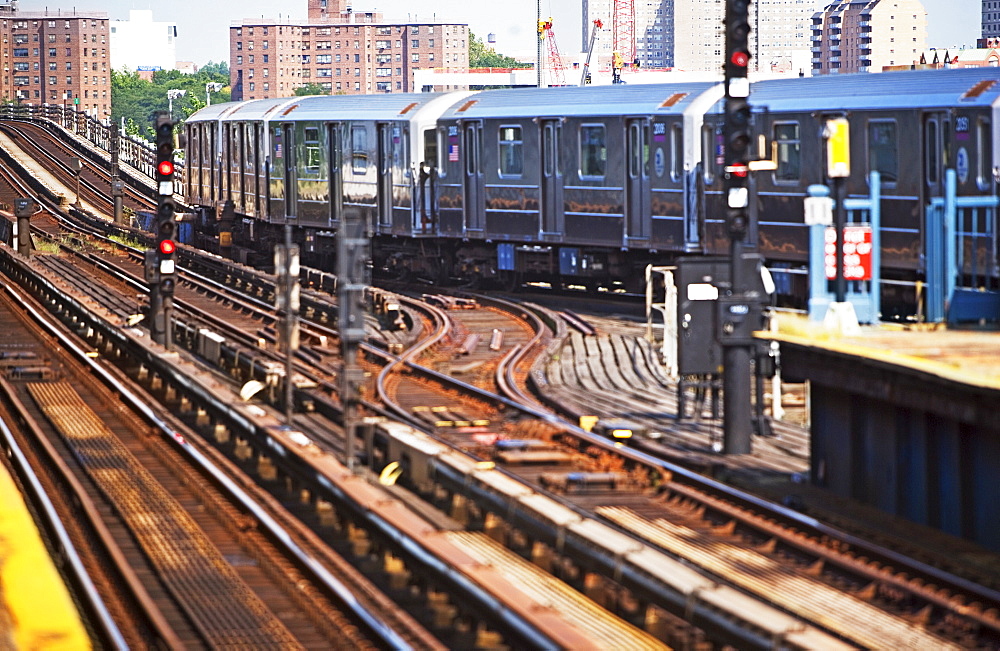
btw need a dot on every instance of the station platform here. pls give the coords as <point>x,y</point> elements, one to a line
<point>36,610</point>
<point>905,420</point>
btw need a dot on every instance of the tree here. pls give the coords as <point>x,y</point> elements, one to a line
<point>481,56</point>
<point>312,88</point>
<point>135,100</point>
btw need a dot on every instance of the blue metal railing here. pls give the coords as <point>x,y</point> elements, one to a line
<point>960,245</point>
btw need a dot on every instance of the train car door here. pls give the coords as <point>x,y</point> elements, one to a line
<point>637,199</point>
<point>475,200</point>
<point>384,180</point>
<point>226,161</point>
<point>289,171</point>
<point>212,161</point>
<point>936,147</point>
<point>335,159</point>
<point>553,218</point>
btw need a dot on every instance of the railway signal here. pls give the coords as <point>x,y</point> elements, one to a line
<point>738,311</point>
<point>161,261</point>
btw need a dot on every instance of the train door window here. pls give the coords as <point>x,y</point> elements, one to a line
<point>310,141</point>
<point>511,152</point>
<point>359,149</point>
<point>430,148</point>
<point>984,147</point>
<point>593,151</point>
<point>676,152</point>
<point>473,149</point>
<point>945,143</point>
<point>638,150</point>
<point>931,144</point>
<point>883,154</point>
<point>709,139</point>
<point>786,135</point>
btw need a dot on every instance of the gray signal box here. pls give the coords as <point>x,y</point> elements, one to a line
<point>700,282</point>
<point>709,317</point>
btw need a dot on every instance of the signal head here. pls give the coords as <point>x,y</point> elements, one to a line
<point>165,167</point>
<point>167,247</point>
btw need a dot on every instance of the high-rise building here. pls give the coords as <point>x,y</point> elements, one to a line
<point>688,34</point>
<point>341,50</point>
<point>867,35</point>
<point>57,57</point>
<point>991,19</point>
<point>140,44</point>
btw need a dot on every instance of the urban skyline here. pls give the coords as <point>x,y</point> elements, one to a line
<point>203,29</point>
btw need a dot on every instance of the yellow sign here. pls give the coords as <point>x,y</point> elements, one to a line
<point>838,148</point>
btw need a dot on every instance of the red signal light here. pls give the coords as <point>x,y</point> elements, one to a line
<point>167,247</point>
<point>166,168</point>
<point>740,59</point>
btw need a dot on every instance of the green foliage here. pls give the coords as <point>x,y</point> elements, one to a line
<point>481,56</point>
<point>137,100</point>
<point>312,88</point>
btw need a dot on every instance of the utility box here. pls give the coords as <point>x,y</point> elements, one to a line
<point>700,281</point>
<point>710,316</point>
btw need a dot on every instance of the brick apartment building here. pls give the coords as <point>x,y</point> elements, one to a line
<point>55,57</point>
<point>342,50</point>
<point>867,35</point>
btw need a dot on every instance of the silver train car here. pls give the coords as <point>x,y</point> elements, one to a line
<point>586,186</point>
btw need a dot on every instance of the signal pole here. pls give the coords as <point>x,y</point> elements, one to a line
<point>161,262</point>
<point>737,353</point>
<point>116,181</point>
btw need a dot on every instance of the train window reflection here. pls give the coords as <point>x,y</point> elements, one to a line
<point>984,145</point>
<point>711,144</point>
<point>882,150</point>
<point>511,153</point>
<point>359,149</point>
<point>593,151</point>
<point>789,152</point>
<point>676,152</point>
<point>311,142</point>
<point>931,145</point>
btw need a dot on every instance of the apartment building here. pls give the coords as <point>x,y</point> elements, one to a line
<point>342,51</point>
<point>56,56</point>
<point>867,35</point>
<point>689,34</point>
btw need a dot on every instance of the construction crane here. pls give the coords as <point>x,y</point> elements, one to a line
<point>624,30</point>
<point>585,79</point>
<point>557,71</point>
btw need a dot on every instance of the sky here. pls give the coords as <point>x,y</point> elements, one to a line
<point>203,26</point>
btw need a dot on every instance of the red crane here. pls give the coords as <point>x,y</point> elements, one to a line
<point>624,30</point>
<point>557,71</point>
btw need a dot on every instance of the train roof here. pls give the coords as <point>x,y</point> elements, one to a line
<point>909,89</point>
<point>579,101</point>
<point>383,106</point>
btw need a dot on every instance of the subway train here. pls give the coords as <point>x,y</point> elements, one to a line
<point>586,186</point>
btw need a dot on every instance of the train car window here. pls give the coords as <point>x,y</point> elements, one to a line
<point>359,149</point>
<point>430,148</point>
<point>593,151</point>
<point>931,146</point>
<point>984,147</point>
<point>310,139</point>
<point>883,154</point>
<point>709,140</point>
<point>789,152</point>
<point>511,151</point>
<point>676,152</point>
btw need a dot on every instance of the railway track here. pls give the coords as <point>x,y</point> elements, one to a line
<point>611,487</point>
<point>41,144</point>
<point>171,554</point>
